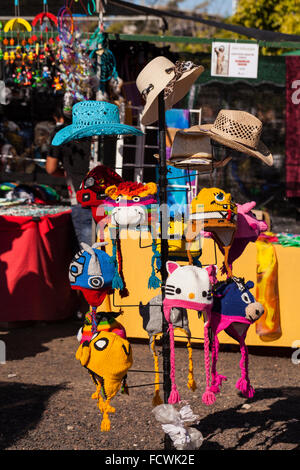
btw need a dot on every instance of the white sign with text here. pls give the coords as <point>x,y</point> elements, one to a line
<point>234,59</point>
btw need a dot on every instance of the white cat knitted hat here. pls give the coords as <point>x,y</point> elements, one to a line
<point>188,287</point>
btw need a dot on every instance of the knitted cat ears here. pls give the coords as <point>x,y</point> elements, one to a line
<point>187,287</point>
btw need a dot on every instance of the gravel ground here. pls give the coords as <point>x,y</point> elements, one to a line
<point>45,399</point>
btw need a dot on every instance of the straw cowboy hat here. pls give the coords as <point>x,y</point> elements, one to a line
<point>239,131</point>
<point>161,74</point>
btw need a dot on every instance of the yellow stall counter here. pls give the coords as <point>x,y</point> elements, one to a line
<point>137,254</point>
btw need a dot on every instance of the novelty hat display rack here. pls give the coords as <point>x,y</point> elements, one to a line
<point>95,273</point>
<point>160,92</point>
<point>215,205</point>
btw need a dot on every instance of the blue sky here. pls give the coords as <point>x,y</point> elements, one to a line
<point>222,7</point>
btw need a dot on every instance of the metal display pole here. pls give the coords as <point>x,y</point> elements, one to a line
<point>163,182</point>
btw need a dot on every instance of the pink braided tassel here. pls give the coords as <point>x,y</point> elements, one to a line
<point>216,379</point>
<point>208,396</point>
<point>220,379</point>
<point>243,384</point>
<point>174,395</point>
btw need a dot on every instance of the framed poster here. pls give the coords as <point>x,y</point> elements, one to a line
<point>230,59</point>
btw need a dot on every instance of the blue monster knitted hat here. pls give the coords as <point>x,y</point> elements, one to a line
<point>92,271</point>
<point>91,268</point>
<point>93,118</point>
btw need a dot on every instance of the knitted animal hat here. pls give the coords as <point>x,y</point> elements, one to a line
<point>153,325</point>
<point>131,205</point>
<point>187,287</point>
<point>248,230</point>
<point>212,210</point>
<point>105,322</point>
<point>92,272</point>
<point>92,189</point>
<point>107,357</point>
<point>234,310</point>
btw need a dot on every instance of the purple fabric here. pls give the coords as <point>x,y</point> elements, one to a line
<point>248,230</point>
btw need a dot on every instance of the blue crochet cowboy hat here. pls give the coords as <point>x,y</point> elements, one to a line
<point>93,118</point>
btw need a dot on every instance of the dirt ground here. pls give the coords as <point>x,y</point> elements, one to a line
<point>45,398</point>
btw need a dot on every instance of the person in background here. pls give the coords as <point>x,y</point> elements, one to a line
<point>8,156</point>
<point>71,160</point>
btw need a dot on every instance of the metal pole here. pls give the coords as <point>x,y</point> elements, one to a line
<point>163,182</point>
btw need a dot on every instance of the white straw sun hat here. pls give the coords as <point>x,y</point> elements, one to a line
<point>161,74</point>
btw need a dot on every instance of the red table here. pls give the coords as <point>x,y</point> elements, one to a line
<point>34,259</point>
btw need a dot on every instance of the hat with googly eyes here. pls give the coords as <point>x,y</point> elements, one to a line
<point>108,357</point>
<point>92,189</point>
<point>92,272</point>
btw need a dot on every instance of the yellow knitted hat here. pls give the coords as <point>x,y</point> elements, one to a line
<point>213,210</point>
<point>107,357</point>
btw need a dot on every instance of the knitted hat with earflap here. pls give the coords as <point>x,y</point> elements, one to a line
<point>153,325</point>
<point>213,210</point>
<point>107,357</point>
<point>92,192</point>
<point>92,272</point>
<point>234,310</point>
<point>131,205</point>
<point>188,287</point>
<point>248,230</point>
<point>105,322</point>
<point>92,189</point>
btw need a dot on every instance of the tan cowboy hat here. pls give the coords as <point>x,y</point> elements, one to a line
<point>238,130</point>
<point>192,145</point>
<point>161,74</point>
<point>192,151</point>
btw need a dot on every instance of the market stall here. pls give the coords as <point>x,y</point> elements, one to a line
<point>211,269</point>
<point>35,251</point>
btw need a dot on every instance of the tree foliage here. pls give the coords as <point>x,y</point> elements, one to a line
<point>273,15</point>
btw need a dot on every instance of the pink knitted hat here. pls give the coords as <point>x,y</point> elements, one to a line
<point>187,287</point>
<point>234,310</point>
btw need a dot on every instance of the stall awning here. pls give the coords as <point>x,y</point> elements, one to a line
<point>271,69</point>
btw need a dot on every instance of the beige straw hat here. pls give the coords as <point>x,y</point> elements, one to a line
<point>238,130</point>
<point>161,74</point>
<point>192,145</point>
<point>193,151</point>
